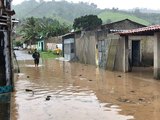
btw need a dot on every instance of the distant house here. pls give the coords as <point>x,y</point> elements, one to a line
<point>52,42</point>
<point>49,44</point>
<point>68,42</point>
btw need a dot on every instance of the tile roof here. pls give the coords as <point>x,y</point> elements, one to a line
<point>142,30</point>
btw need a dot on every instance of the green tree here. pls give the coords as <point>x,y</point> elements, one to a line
<point>28,30</point>
<point>87,22</point>
<point>17,43</point>
<point>35,28</point>
<point>49,28</point>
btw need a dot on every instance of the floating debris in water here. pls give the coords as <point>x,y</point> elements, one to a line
<point>48,97</point>
<point>141,99</point>
<point>132,91</point>
<point>28,90</point>
<point>119,76</point>
<point>123,100</point>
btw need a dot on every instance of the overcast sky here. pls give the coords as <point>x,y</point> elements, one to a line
<point>121,4</point>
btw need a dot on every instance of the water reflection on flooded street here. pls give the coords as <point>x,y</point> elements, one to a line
<point>58,90</point>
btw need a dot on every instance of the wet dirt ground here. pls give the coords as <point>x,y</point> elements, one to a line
<point>59,90</point>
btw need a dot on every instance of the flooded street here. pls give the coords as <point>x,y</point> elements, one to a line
<point>59,90</point>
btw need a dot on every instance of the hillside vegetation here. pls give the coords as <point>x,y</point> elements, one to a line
<point>66,12</point>
<point>110,16</point>
<point>62,10</point>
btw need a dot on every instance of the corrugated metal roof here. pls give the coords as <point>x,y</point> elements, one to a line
<point>152,28</point>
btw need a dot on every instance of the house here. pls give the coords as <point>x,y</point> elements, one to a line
<point>6,70</point>
<point>98,46</point>
<point>119,48</point>
<point>125,24</point>
<point>49,44</point>
<point>144,47</point>
<point>41,45</point>
<point>52,42</point>
<point>68,43</point>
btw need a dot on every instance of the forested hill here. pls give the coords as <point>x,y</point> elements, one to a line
<point>66,12</point>
<point>55,9</point>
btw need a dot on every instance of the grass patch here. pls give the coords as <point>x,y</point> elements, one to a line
<point>48,55</point>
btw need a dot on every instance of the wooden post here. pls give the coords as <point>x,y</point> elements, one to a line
<point>125,62</point>
<point>157,56</point>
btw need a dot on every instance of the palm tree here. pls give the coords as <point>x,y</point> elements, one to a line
<point>29,30</point>
<point>36,28</point>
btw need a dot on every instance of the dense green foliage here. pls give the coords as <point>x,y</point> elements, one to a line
<point>29,30</point>
<point>33,29</point>
<point>87,22</point>
<point>56,9</point>
<point>17,43</point>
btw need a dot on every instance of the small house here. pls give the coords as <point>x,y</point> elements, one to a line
<point>119,46</point>
<point>49,44</point>
<point>52,42</point>
<point>68,42</point>
<point>142,47</point>
<point>99,46</point>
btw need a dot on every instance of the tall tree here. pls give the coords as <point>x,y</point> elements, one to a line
<point>36,28</point>
<point>49,27</point>
<point>28,30</point>
<point>87,22</point>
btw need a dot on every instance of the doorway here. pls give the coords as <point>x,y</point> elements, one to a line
<point>101,53</point>
<point>42,46</point>
<point>136,53</point>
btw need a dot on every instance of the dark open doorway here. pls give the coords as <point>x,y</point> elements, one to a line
<point>42,46</point>
<point>136,53</point>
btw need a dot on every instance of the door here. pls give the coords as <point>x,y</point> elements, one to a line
<point>101,53</point>
<point>42,46</point>
<point>136,53</point>
<point>69,48</point>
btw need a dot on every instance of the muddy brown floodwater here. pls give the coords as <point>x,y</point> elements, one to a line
<point>59,90</point>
